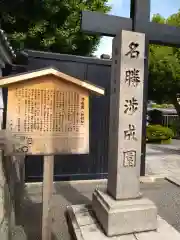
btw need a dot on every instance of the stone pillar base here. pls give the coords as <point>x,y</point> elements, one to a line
<point>119,217</point>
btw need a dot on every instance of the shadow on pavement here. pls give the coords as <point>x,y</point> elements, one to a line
<point>71,194</point>
<point>165,195</point>
<point>30,219</point>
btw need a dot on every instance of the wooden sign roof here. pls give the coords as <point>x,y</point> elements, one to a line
<point>4,82</point>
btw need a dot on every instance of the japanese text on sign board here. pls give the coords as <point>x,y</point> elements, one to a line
<point>43,116</point>
<point>40,113</point>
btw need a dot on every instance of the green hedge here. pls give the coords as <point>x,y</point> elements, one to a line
<point>164,105</point>
<point>158,133</point>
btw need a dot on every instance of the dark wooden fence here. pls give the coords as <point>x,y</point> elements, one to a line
<point>95,164</point>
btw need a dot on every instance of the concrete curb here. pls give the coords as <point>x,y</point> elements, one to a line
<point>174,180</point>
<point>145,179</point>
<point>153,178</point>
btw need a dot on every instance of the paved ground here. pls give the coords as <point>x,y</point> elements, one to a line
<point>163,159</point>
<point>160,159</point>
<point>164,194</point>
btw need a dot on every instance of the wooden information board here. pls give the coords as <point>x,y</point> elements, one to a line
<point>47,116</point>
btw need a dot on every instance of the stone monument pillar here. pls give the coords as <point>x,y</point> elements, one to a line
<point>126,106</point>
<point>121,212</point>
<point>121,209</point>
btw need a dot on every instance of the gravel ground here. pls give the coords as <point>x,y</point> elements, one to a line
<point>165,195</point>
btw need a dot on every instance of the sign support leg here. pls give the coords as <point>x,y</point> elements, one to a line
<point>47,197</point>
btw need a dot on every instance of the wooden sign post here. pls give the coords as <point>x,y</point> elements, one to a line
<point>47,196</point>
<point>47,114</point>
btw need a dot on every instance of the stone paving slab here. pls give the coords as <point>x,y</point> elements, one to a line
<point>164,232</point>
<point>91,230</point>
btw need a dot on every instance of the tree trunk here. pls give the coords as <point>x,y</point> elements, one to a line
<point>176,105</point>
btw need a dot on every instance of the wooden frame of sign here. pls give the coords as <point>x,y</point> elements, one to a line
<point>47,114</point>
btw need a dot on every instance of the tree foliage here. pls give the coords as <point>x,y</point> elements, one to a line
<point>164,68</point>
<point>50,25</point>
